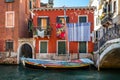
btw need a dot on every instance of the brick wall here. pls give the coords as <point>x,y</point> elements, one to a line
<point>20,29</point>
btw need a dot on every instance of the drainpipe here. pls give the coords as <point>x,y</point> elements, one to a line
<point>99,52</point>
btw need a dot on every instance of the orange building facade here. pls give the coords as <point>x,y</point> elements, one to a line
<point>47,40</point>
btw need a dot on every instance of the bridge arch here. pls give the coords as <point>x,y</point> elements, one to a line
<point>110,57</point>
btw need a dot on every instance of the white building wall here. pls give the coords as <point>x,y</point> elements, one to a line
<point>97,21</point>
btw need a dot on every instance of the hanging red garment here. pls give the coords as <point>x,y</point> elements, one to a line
<point>58,25</point>
<point>60,31</point>
<point>62,35</point>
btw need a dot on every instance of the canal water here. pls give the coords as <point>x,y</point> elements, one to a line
<point>21,73</point>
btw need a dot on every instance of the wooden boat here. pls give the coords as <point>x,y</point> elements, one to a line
<point>55,64</point>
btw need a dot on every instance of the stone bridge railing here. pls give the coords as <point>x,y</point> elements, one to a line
<point>112,33</point>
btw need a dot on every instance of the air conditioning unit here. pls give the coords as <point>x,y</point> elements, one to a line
<point>9,1</point>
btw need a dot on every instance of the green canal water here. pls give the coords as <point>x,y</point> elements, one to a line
<point>21,73</point>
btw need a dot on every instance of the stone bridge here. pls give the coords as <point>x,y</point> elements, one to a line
<point>107,49</point>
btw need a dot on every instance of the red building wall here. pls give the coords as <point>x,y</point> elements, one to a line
<point>73,18</point>
<point>20,29</point>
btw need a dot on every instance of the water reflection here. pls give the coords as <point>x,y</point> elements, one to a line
<point>20,73</point>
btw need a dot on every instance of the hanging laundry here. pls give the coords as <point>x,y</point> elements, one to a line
<point>58,25</point>
<point>60,31</point>
<point>78,31</point>
<point>40,33</point>
<point>62,35</point>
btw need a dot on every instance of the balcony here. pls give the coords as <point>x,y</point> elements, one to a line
<point>38,32</point>
<point>111,34</point>
<point>106,19</point>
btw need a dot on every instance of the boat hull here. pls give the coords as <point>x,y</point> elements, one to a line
<point>55,64</point>
<point>49,66</point>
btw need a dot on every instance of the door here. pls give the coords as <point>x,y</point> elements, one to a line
<point>61,47</point>
<point>43,47</point>
<point>82,47</point>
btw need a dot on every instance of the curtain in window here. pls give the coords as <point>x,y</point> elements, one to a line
<point>43,22</point>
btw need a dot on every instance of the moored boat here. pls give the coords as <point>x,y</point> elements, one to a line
<point>56,64</point>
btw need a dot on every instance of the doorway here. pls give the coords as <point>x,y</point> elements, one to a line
<point>26,51</point>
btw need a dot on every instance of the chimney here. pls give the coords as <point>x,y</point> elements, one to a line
<point>50,3</point>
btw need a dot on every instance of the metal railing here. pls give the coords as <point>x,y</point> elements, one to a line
<point>112,33</point>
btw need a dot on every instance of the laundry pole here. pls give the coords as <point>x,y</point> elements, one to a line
<point>66,32</point>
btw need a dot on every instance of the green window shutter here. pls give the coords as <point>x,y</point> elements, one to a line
<point>61,48</point>
<point>38,21</point>
<point>57,19</point>
<point>48,21</point>
<point>67,19</point>
<point>82,19</point>
<point>30,4</point>
<point>43,47</point>
<point>82,47</point>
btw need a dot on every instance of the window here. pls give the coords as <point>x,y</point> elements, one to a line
<point>30,4</point>
<point>82,19</point>
<point>105,9</point>
<point>114,6</point>
<point>61,19</point>
<point>43,22</point>
<point>82,47</point>
<point>97,21</point>
<point>61,47</point>
<point>9,45</point>
<point>110,6</point>
<point>43,47</point>
<point>9,1</point>
<point>10,19</point>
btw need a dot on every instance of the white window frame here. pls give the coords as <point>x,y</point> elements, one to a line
<point>41,21</point>
<point>6,23</point>
<point>40,46</point>
<point>62,16</point>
